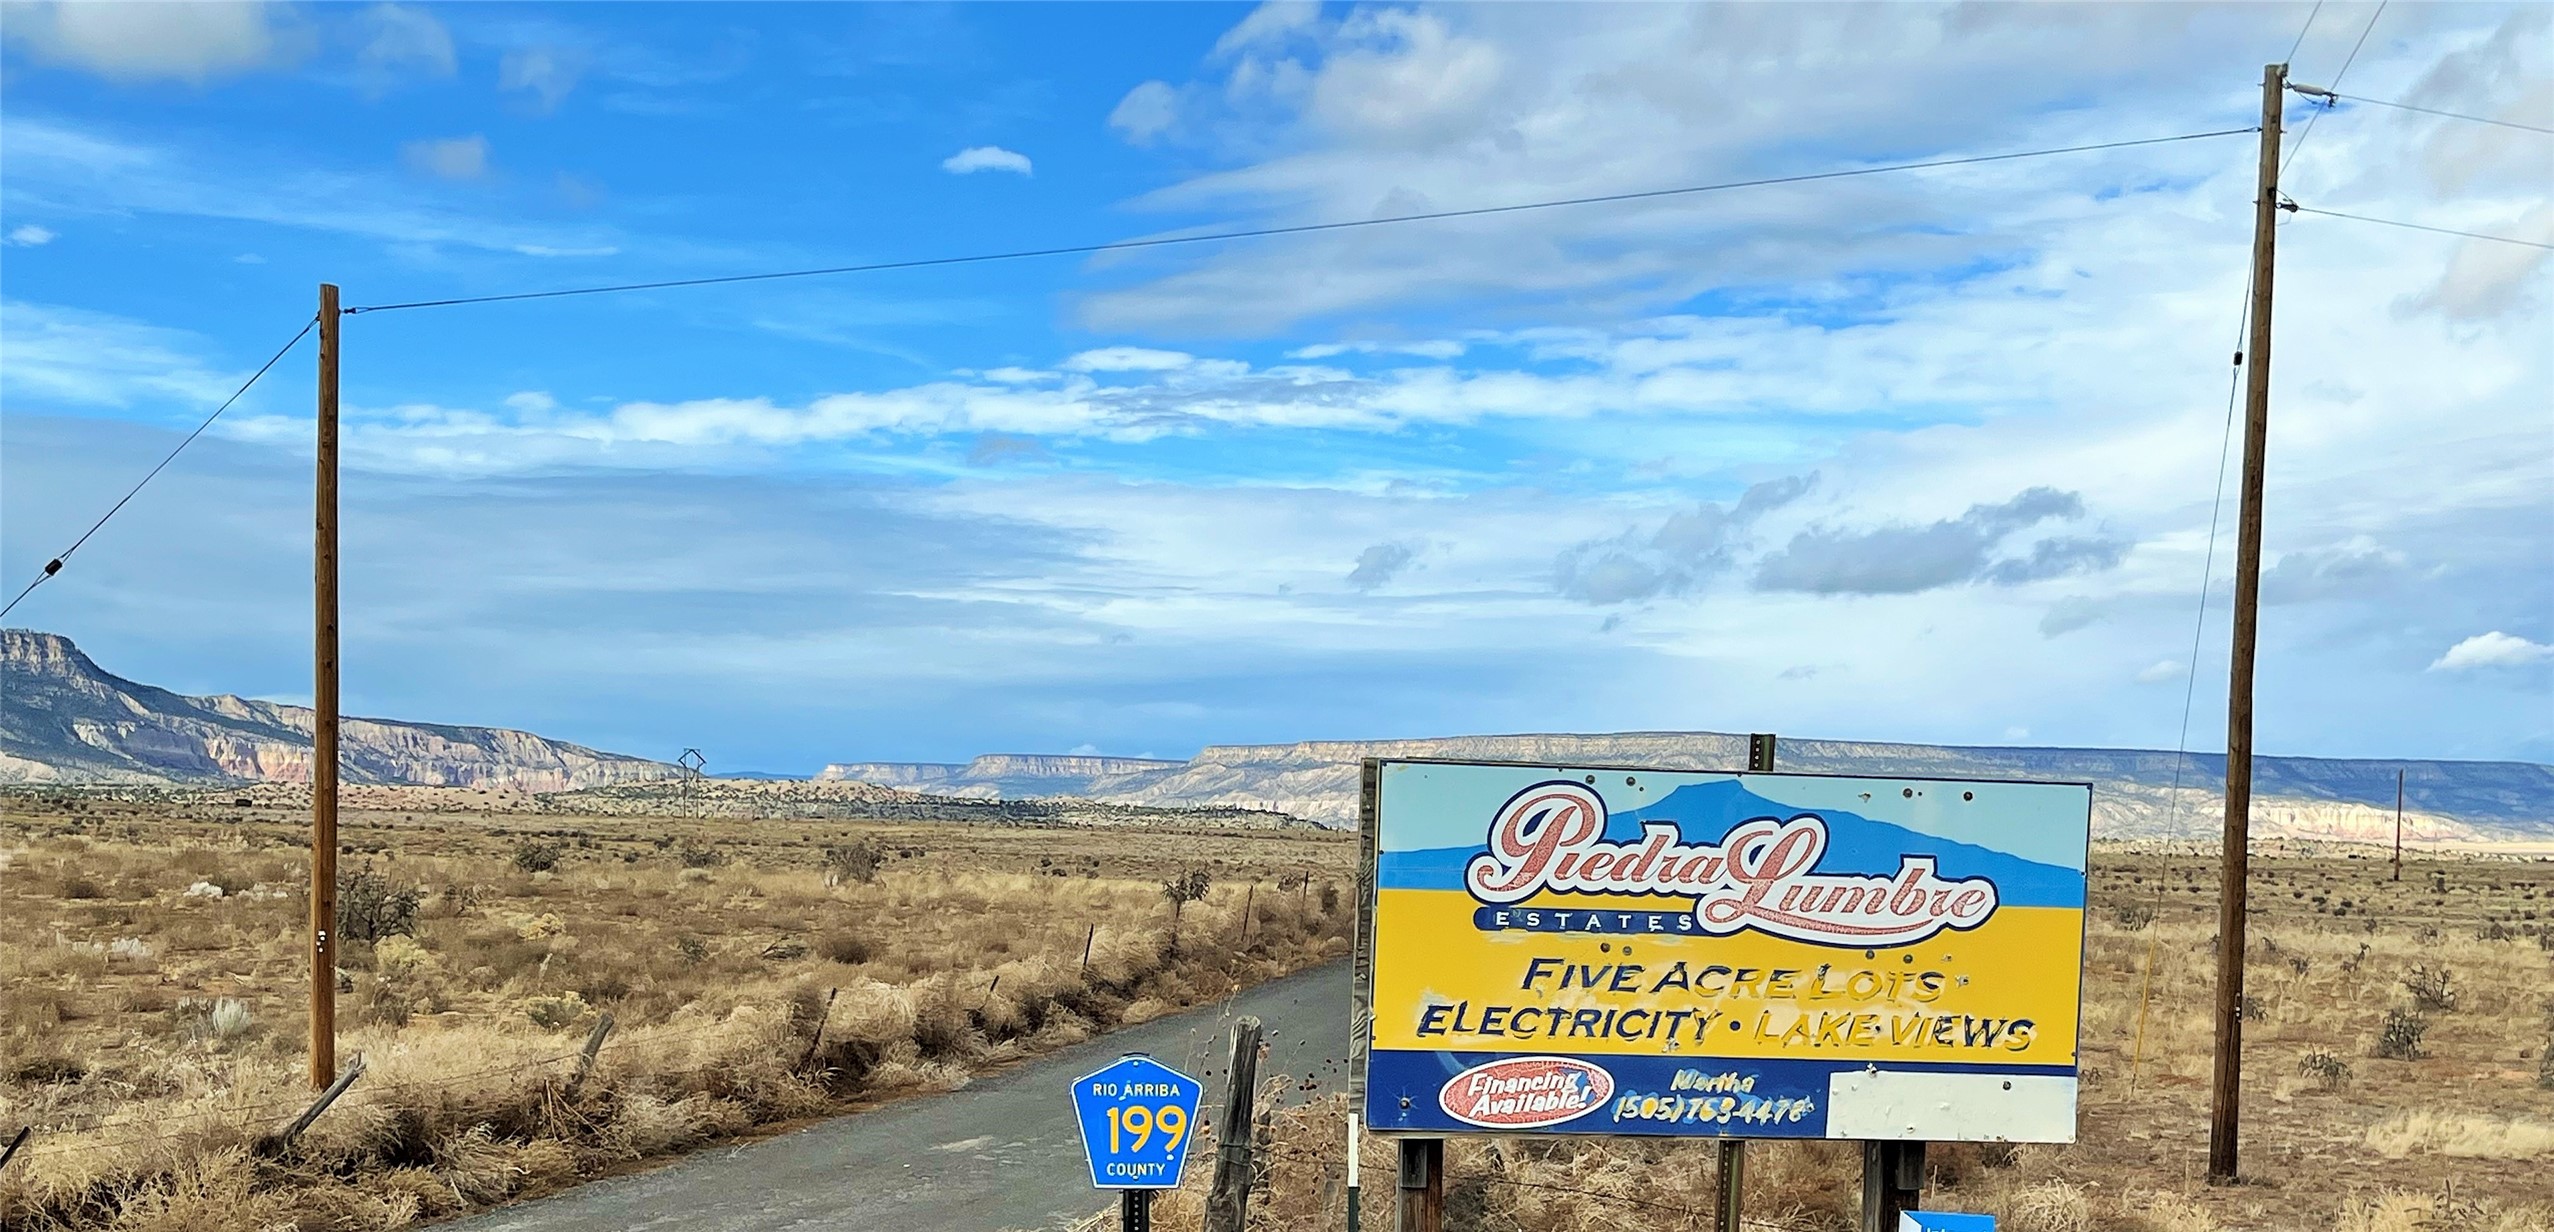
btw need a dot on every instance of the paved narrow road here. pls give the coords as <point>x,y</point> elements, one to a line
<point>1001,1153</point>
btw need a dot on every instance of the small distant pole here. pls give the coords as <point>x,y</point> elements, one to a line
<point>323,719</point>
<point>2398,825</point>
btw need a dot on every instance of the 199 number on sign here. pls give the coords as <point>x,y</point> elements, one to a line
<point>1138,1122</point>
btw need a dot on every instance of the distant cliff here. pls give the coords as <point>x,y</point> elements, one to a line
<point>1012,776</point>
<point>2134,796</point>
<point>65,720</point>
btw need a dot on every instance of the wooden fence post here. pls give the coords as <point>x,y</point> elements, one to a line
<point>585,1057</point>
<point>1228,1203</point>
<point>275,1143</point>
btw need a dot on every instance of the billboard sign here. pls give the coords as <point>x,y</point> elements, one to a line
<point>1623,951</point>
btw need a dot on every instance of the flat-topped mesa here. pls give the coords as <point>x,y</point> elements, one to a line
<point>1061,765</point>
<point>69,721</point>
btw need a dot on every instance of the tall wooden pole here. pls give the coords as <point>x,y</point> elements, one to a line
<point>2398,825</point>
<point>2227,1087</point>
<point>323,726</point>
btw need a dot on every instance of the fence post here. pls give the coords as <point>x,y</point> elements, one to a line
<point>1087,939</point>
<point>1228,1203</point>
<point>1355,1140</point>
<point>1422,1186</point>
<point>275,1143</point>
<point>6,1153</point>
<point>585,1057</point>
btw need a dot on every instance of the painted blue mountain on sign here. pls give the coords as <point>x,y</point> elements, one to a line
<point>1705,812</point>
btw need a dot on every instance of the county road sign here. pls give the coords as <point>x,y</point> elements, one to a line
<point>1137,1116</point>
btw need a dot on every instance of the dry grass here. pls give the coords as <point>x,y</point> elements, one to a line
<point>2459,1140</point>
<point>155,1029</point>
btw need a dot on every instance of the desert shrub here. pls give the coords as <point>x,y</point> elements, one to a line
<point>691,949</point>
<point>370,906</point>
<point>696,856</point>
<point>553,1012</point>
<point>1187,887</point>
<point>845,947</point>
<point>534,856</point>
<point>856,861</point>
<point>1330,898</point>
<point>785,949</point>
<point>2399,1039</point>
<point>2430,988</point>
<point>77,885</point>
<point>221,1021</point>
<point>2133,916</point>
<point>2328,1070</point>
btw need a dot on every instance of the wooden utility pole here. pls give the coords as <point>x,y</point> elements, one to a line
<point>1228,1203</point>
<point>2398,825</point>
<point>2227,1088</point>
<point>323,723</point>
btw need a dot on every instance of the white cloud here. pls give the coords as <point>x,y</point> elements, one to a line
<point>1128,359</point>
<point>547,74</point>
<point>403,40</point>
<point>29,235</point>
<point>985,158</point>
<point>69,356</point>
<point>191,42</point>
<point>2491,650</point>
<point>451,158</point>
<point>1271,22</point>
<point>1148,111</point>
<point>2162,670</point>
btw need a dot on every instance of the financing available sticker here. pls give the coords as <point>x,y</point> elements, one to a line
<point>1570,950</point>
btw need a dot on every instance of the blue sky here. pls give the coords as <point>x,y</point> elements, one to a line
<point>1925,456</point>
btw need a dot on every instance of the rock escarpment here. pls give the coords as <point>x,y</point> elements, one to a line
<point>63,719</point>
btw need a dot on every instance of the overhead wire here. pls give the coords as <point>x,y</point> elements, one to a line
<point>2453,115</point>
<point>54,566</point>
<point>2414,226</point>
<point>1296,229</point>
<point>2347,61</point>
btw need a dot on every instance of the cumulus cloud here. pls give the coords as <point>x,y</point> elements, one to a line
<point>1271,22</point>
<point>451,158</point>
<point>2358,567</point>
<point>2161,670</point>
<point>29,235</point>
<point>1147,112</point>
<point>546,74</point>
<point>2495,649</point>
<point>1901,558</point>
<point>1128,359</point>
<point>1691,545</point>
<point>404,40</point>
<point>985,158</point>
<point>1379,564</point>
<point>142,42</point>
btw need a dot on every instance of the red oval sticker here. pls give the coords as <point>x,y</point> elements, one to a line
<point>1525,1092</point>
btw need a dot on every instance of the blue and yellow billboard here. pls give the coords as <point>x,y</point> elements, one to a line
<point>1622,951</point>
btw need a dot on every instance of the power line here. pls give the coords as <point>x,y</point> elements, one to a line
<point>54,565</point>
<point>1300,229</point>
<point>2414,226</point>
<point>2346,62</point>
<point>2301,32</point>
<point>2453,115</point>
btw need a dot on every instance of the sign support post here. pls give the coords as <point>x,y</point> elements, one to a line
<point>1730,1182</point>
<point>1135,1210</point>
<point>1422,1186</point>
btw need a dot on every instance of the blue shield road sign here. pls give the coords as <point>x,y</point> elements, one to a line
<point>1137,1116</point>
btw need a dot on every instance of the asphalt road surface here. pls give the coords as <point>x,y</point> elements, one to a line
<point>1001,1153</point>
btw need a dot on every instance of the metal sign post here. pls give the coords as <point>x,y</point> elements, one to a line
<point>1136,1116</point>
